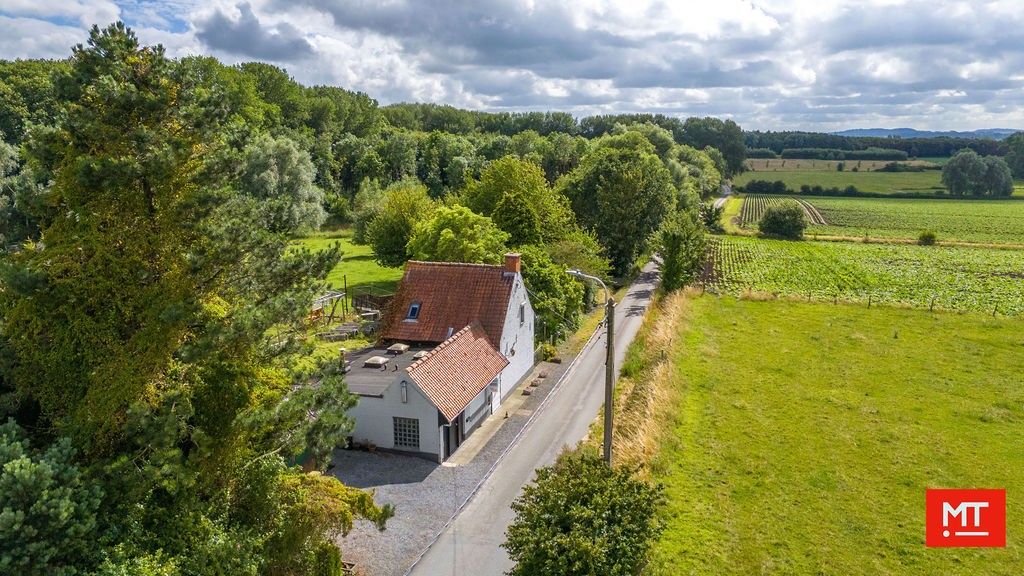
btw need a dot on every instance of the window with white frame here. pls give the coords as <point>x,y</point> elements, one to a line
<point>407,433</point>
<point>414,311</point>
<point>522,313</point>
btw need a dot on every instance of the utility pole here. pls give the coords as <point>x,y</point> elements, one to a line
<point>609,377</point>
<point>609,363</point>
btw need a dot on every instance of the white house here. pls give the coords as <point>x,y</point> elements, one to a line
<point>456,341</point>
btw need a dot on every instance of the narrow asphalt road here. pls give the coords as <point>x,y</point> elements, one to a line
<point>471,544</point>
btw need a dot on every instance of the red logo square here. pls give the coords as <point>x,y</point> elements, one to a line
<point>965,518</point>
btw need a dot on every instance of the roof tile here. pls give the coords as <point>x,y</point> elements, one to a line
<point>458,369</point>
<point>451,295</point>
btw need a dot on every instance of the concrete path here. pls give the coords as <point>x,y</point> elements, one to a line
<point>471,544</point>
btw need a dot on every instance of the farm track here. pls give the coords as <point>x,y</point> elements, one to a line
<point>813,215</point>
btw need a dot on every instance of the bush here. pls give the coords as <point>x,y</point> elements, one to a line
<point>926,238</point>
<point>786,220</point>
<point>546,352</point>
<point>682,246</point>
<point>581,516</point>
<point>711,216</point>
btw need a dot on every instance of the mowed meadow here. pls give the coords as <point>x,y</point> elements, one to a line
<point>927,182</point>
<point>799,438</point>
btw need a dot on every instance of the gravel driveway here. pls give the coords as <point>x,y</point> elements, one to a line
<point>425,494</point>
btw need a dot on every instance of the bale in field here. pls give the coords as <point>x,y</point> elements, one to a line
<point>784,220</point>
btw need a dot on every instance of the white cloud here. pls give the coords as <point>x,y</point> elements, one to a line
<point>811,64</point>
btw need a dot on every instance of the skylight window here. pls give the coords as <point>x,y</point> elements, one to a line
<point>414,311</point>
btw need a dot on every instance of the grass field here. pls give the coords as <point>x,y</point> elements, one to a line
<point>1000,221</point>
<point>875,182</point>
<point>799,438</point>
<point>357,264</point>
<point>948,277</point>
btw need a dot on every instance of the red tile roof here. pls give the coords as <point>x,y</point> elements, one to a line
<point>451,295</point>
<point>457,370</point>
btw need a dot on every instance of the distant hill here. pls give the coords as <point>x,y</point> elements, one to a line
<point>993,133</point>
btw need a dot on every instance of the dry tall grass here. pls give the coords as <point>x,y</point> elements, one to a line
<point>648,391</point>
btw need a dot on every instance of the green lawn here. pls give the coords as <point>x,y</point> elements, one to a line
<point>803,437</point>
<point>875,182</point>
<point>357,264</point>
<point>1000,221</point>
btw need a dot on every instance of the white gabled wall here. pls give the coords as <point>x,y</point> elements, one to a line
<point>518,336</point>
<point>374,422</point>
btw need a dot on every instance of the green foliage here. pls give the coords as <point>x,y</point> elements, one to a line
<point>711,217</point>
<point>515,215</point>
<point>531,197</point>
<point>622,194</point>
<point>405,204</point>
<point>365,207</point>
<point>1015,154</point>
<point>507,175</point>
<point>725,136</point>
<point>141,328</point>
<point>456,234</point>
<point>557,298</point>
<point>969,173</point>
<point>280,175</point>
<point>582,517</point>
<point>47,508</point>
<point>682,246</point>
<point>926,238</point>
<point>784,220</point>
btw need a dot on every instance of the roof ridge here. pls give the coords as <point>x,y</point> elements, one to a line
<point>440,347</point>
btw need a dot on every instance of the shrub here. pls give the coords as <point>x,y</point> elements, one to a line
<point>581,516</point>
<point>840,166</point>
<point>547,351</point>
<point>786,220</point>
<point>711,216</point>
<point>926,238</point>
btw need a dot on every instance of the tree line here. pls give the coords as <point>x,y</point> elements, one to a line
<point>939,147</point>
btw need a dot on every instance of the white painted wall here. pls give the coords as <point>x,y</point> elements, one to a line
<point>374,422</point>
<point>518,336</point>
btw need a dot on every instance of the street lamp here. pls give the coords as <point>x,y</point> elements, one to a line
<point>609,363</point>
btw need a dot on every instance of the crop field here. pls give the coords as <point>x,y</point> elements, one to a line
<point>799,438</point>
<point>754,206</point>
<point>947,277</point>
<point>995,221</point>
<point>928,182</point>
<point>357,265</point>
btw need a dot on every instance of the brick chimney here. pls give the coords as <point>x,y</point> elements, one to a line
<point>512,261</point>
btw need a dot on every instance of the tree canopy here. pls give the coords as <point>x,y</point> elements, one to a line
<point>456,234</point>
<point>137,332</point>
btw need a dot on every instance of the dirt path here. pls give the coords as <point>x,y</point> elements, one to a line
<point>812,213</point>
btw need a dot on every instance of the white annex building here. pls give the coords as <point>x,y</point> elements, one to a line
<point>456,340</point>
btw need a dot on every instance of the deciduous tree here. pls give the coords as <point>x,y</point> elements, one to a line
<point>456,234</point>
<point>405,204</point>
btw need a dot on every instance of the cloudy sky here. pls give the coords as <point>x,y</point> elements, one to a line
<point>772,64</point>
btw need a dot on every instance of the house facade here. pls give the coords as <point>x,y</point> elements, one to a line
<point>455,342</point>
